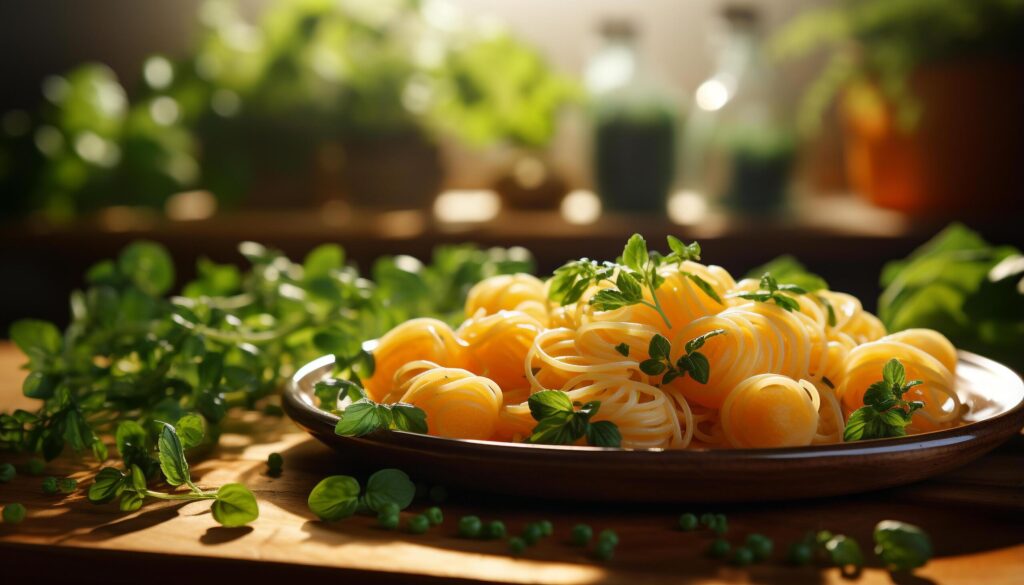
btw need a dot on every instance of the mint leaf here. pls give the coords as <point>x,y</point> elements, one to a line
<point>857,424</point>
<point>893,373</point>
<point>603,433</point>
<point>880,396</point>
<point>389,486</point>
<point>547,403</point>
<point>610,299</point>
<point>629,286</point>
<point>406,417</point>
<point>334,498</point>
<point>172,456</point>
<point>559,429</point>
<point>635,254</point>
<point>191,429</point>
<point>108,484</point>
<point>704,286</point>
<point>359,419</point>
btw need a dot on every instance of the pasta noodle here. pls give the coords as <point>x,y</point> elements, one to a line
<point>768,371</point>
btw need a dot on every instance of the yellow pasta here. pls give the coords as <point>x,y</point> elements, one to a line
<point>458,403</point>
<point>780,371</point>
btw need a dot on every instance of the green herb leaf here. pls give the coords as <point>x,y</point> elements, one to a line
<point>623,348</point>
<point>191,429</point>
<point>235,506</point>
<point>659,348</point>
<point>705,286</point>
<point>148,266</point>
<point>653,367</point>
<point>334,498</point>
<point>172,456</point>
<point>39,340</point>
<point>699,368</point>
<point>389,486</point>
<point>902,546</point>
<point>558,429</point>
<point>547,403</point>
<point>359,419</point>
<point>108,484</point>
<point>409,418</point>
<point>635,254</point>
<point>893,373</point>
<point>604,434</point>
<point>610,299</point>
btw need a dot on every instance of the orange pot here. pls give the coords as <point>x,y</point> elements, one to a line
<point>965,154</point>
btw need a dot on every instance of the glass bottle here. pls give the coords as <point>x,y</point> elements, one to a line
<point>739,144</point>
<point>634,125</point>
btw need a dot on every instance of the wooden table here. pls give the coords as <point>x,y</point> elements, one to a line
<point>974,516</point>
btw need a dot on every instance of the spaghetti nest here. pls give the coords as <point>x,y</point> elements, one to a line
<point>775,365</point>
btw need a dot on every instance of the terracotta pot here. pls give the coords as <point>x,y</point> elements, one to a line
<point>964,156</point>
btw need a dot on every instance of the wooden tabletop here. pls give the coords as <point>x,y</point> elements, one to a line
<point>974,516</point>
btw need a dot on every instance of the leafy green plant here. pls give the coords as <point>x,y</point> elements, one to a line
<point>560,423</point>
<point>362,416</point>
<point>965,288</point>
<point>338,496</point>
<point>233,504</point>
<point>885,413</point>
<point>691,362</point>
<point>772,291</point>
<point>885,40</point>
<point>132,356</point>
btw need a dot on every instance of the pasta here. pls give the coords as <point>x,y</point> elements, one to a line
<point>742,365</point>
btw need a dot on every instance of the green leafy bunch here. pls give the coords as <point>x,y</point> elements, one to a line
<point>340,496</point>
<point>131,353</point>
<point>559,422</point>
<point>636,270</point>
<point>361,415</point>
<point>771,291</point>
<point>964,287</point>
<point>233,503</point>
<point>885,413</point>
<point>691,362</point>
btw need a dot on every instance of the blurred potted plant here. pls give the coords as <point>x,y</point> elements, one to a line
<point>495,90</point>
<point>929,93</point>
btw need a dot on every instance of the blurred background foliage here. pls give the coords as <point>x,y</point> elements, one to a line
<point>253,99</point>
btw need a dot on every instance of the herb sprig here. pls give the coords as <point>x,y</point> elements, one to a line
<point>338,496</point>
<point>771,291</point>
<point>885,413</point>
<point>362,415</point>
<point>692,362</point>
<point>636,270</point>
<point>560,423</point>
<point>233,503</point>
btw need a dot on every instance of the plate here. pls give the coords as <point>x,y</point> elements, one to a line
<point>994,392</point>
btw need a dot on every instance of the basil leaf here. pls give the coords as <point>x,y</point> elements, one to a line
<point>235,506</point>
<point>604,433</point>
<point>547,403</point>
<point>107,485</point>
<point>359,419</point>
<point>334,498</point>
<point>635,254</point>
<point>389,486</point>
<point>172,456</point>
<point>191,429</point>
<point>407,417</point>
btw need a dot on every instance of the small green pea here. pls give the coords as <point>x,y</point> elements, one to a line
<point>582,534</point>
<point>438,494</point>
<point>470,526</point>
<point>760,545</point>
<point>516,545</point>
<point>742,556</point>
<point>546,527</point>
<point>36,466</point>
<point>388,521</point>
<point>7,472</point>
<point>532,534</point>
<point>688,522</point>
<point>608,535</point>
<point>434,514</point>
<point>719,548</point>
<point>902,546</point>
<point>67,485</point>
<point>720,525</point>
<point>419,524</point>
<point>800,554</point>
<point>275,463</point>
<point>13,513</point>
<point>50,485</point>
<point>707,519</point>
<point>389,509</point>
<point>604,550</point>
<point>494,530</point>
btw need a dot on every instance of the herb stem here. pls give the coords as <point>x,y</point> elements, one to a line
<point>201,495</point>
